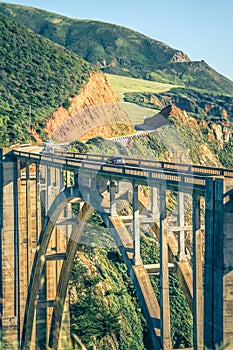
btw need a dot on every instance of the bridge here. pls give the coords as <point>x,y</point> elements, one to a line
<point>40,236</point>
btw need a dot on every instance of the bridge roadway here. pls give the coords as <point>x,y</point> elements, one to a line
<point>144,171</point>
<point>211,326</point>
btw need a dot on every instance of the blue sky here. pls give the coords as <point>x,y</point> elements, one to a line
<point>202,28</point>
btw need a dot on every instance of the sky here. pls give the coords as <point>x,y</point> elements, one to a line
<point>203,29</point>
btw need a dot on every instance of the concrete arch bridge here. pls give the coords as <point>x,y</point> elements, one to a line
<point>39,238</point>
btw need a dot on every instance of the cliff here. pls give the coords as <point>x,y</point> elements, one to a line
<point>94,112</point>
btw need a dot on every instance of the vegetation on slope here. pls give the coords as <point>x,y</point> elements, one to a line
<point>37,77</point>
<point>105,315</point>
<point>94,40</point>
<point>119,50</point>
<point>202,104</point>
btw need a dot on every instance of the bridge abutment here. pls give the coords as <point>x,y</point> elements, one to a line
<point>228,263</point>
<point>9,253</point>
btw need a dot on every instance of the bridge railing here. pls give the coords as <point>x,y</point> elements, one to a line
<point>198,169</point>
<point>130,171</point>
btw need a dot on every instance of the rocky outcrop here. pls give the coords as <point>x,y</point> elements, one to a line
<point>94,112</point>
<point>219,131</point>
<point>198,133</point>
<point>162,118</point>
<point>180,56</point>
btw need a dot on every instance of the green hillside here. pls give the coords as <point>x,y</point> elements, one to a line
<point>37,76</point>
<point>119,50</point>
<point>200,104</point>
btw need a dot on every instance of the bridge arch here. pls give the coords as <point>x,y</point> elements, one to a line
<point>56,208</point>
<point>65,196</point>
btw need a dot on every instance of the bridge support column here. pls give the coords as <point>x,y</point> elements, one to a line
<point>154,200</point>
<point>112,192</point>
<point>164,277</point>
<point>181,237</point>
<point>136,226</point>
<point>29,233</point>
<point>197,276</point>
<point>38,207</point>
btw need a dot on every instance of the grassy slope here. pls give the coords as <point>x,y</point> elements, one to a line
<point>122,85</point>
<point>37,73</point>
<point>119,50</point>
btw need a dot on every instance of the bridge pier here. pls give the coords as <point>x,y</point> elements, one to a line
<point>197,275</point>
<point>218,302</point>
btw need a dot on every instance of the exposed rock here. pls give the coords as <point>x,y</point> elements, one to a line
<point>227,134</point>
<point>180,56</point>
<point>217,129</point>
<point>162,117</point>
<point>207,157</point>
<point>94,112</point>
<point>221,133</point>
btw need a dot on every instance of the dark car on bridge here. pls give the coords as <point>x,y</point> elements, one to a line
<point>116,160</point>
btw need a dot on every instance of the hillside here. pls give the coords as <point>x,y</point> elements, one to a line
<point>119,50</point>
<point>41,80</point>
<point>203,105</point>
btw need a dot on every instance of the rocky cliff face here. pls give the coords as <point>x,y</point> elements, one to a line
<point>180,56</point>
<point>94,112</point>
<point>218,129</point>
<point>196,135</point>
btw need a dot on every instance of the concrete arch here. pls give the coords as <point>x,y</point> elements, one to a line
<point>84,216</point>
<point>57,206</point>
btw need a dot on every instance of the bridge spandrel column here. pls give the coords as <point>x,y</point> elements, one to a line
<point>112,193</point>
<point>154,200</point>
<point>164,277</point>
<point>181,236</point>
<point>136,227</point>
